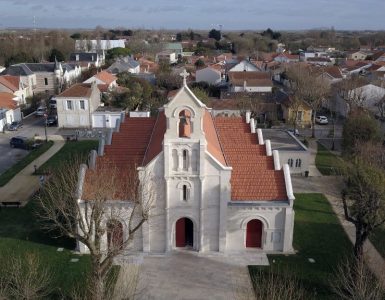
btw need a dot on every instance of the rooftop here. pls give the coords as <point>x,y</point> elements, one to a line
<point>282,140</point>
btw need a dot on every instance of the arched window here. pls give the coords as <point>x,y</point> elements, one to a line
<point>184,124</point>
<point>185,193</point>
<point>185,160</point>
<point>298,163</point>
<point>290,162</point>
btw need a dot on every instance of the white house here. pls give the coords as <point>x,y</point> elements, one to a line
<point>219,187</point>
<point>15,86</point>
<point>9,110</point>
<point>76,105</point>
<point>95,45</point>
<point>167,56</point>
<point>106,117</point>
<point>124,64</point>
<point>259,82</point>
<point>104,80</point>
<point>27,77</point>
<point>245,65</point>
<point>209,74</point>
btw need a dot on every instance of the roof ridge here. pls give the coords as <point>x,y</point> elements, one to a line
<point>219,140</point>
<point>149,141</point>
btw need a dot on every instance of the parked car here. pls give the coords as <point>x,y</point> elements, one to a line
<point>41,111</point>
<point>15,125</point>
<point>322,120</point>
<point>23,143</point>
<point>51,120</point>
<point>52,103</point>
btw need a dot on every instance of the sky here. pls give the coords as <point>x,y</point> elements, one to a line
<point>195,14</point>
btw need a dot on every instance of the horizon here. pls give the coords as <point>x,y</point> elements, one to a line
<point>166,15</point>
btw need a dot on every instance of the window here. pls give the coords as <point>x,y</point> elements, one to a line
<point>69,104</point>
<point>82,104</point>
<point>290,162</point>
<point>298,163</point>
<point>299,115</point>
<point>184,124</point>
<point>185,160</point>
<point>46,81</point>
<point>185,193</point>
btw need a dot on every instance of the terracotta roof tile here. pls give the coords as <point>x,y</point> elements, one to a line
<point>77,90</point>
<point>253,177</point>
<point>6,101</point>
<point>106,77</point>
<point>11,82</point>
<point>213,145</point>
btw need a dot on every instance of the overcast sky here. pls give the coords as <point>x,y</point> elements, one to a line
<point>195,14</point>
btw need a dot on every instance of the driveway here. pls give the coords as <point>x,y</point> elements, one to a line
<point>188,275</point>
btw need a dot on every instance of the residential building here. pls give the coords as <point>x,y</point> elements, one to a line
<point>301,113</point>
<point>245,65</point>
<point>97,45</point>
<point>9,110</point>
<point>26,76</point>
<point>92,58</point>
<point>219,188</point>
<point>15,86</point>
<point>76,105</point>
<point>124,64</point>
<point>210,74</point>
<point>105,81</point>
<point>287,58</point>
<point>177,48</point>
<point>250,82</point>
<point>166,56</point>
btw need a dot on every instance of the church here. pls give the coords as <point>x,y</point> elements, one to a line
<point>220,187</point>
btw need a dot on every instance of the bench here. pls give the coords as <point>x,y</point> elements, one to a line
<point>11,203</point>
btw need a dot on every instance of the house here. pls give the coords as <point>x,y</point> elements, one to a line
<point>177,48</point>
<point>76,105</point>
<point>301,113</point>
<point>15,86</point>
<point>147,66</point>
<point>25,74</point>
<point>250,82</point>
<point>9,110</point>
<point>124,64</point>
<point>210,74</point>
<point>367,96</point>
<point>331,74</point>
<point>105,81</point>
<point>358,55</point>
<point>320,61</point>
<point>291,150</point>
<point>245,65</point>
<point>286,58</point>
<point>92,58</point>
<point>106,116</point>
<point>219,189</point>
<point>96,45</point>
<point>166,56</point>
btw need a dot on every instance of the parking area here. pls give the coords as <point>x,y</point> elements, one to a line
<point>9,156</point>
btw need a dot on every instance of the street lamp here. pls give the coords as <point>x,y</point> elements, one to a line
<point>45,127</point>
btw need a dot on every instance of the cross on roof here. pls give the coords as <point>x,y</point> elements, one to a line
<point>184,74</point>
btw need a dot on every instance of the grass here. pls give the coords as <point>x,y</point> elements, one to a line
<point>378,240</point>
<point>327,163</point>
<point>318,235</point>
<point>69,150</point>
<point>20,165</point>
<point>20,233</point>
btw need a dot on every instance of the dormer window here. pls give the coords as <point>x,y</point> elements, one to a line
<point>184,124</point>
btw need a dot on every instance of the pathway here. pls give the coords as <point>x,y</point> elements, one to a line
<point>331,187</point>
<point>21,187</point>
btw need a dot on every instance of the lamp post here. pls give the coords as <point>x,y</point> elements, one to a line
<point>45,127</point>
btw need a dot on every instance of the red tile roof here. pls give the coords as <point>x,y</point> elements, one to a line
<point>77,90</point>
<point>253,177</point>
<point>213,145</point>
<point>106,77</point>
<point>11,82</point>
<point>6,101</point>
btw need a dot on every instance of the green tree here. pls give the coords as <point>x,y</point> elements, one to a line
<point>56,54</point>
<point>199,63</point>
<point>359,128</point>
<point>117,52</point>
<point>76,36</point>
<point>215,34</point>
<point>363,200</point>
<point>201,94</point>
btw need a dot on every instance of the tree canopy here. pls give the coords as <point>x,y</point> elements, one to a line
<point>215,34</point>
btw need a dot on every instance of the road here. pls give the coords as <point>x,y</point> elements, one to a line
<point>31,126</point>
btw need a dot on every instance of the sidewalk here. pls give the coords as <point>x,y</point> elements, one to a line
<point>21,187</point>
<point>331,187</point>
<point>313,171</point>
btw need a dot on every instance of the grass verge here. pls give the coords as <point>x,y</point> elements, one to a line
<point>327,163</point>
<point>68,151</point>
<point>317,235</point>
<point>20,165</point>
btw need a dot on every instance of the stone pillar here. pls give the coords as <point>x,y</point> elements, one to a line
<point>277,163</point>
<point>252,125</point>
<point>248,115</point>
<point>92,159</point>
<point>268,148</point>
<point>109,136</point>
<point>101,146</point>
<point>260,137</point>
<point>117,125</point>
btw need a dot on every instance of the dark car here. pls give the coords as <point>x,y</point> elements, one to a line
<point>20,142</point>
<point>15,125</point>
<point>52,120</point>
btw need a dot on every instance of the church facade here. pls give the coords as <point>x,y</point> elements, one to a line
<point>220,188</point>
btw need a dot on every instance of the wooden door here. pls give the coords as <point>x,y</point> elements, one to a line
<point>180,233</point>
<point>254,234</point>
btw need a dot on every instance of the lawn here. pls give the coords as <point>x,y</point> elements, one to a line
<point>318,235</point>
<point>69,150</point>
<point>327,163</point>
<point>20,233</point>
<point>20,165</point>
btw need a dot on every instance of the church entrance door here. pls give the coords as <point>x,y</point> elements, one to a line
<point>184,233</point>
<point>254,234</point>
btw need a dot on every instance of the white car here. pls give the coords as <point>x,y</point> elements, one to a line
<point>41,111</point>
<point>322,120</point>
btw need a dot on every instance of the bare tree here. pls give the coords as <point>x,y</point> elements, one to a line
<point>380,104</point>
<point>350,90</point>
<point>82,205</point>
<point>25,278</point>
<point>363,200</point>
<point>307,86</point>
<point>354,281</point>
